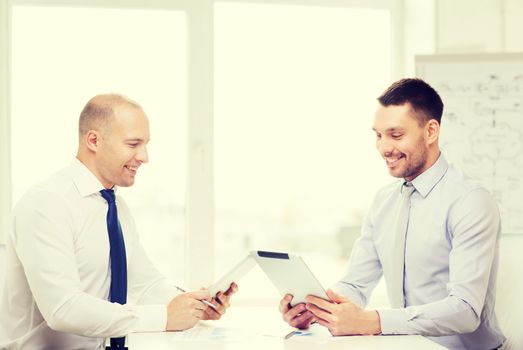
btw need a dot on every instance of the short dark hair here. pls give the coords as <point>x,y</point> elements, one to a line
<point>425,101</point>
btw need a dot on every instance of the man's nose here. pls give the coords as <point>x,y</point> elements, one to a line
<point>143,156</point>
<point>384,147</point>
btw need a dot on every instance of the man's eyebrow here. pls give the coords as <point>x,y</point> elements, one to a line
<point>135,139</point>
<point>393,129</point>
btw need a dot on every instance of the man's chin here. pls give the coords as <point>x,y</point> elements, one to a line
<point>395,173</point>
<point>127,183</point>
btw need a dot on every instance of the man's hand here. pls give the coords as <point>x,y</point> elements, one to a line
<point>296,316</point>
<point>342,317</point>
<point>222,302</point>
<point>186,309</point>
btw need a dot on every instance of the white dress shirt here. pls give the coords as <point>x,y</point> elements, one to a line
<point>451,259</point>
<point>57,270</point>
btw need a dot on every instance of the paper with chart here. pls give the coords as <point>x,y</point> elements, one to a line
<point>482,126</point>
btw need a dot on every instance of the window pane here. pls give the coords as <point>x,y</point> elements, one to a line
<point>295,95</point>
<point>64,56</point>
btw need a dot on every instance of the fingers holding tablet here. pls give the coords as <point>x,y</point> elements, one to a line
<point>296,316</point>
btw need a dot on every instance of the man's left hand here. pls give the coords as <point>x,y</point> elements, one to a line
<point>222,301</point>
<point>342,317</point>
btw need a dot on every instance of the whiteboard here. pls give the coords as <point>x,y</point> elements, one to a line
<point>482,124</point>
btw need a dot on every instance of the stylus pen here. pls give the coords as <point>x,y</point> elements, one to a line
<point>298,332</point>
<point>290,334</point>
<point>203,301</point>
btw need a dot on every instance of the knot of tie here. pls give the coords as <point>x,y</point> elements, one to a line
<point>407,189</point>
<point>108,195</point>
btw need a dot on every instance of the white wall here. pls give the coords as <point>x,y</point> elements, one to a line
<point>476,26</point>
<point>513,25</point>
<point>5,183</point>
<point>464,26</point>
<point>419,31</point>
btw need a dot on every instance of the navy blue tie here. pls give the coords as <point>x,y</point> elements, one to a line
<point>118,293</point>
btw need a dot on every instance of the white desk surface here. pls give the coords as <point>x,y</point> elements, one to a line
<point>262,328</point>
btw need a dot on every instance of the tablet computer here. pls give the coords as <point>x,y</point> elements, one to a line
<point>237,272</point>
<point>290,275</point>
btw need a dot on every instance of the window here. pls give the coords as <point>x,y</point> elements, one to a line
<point>282,137</point>
<point>61,57</point>
<point>295,162</point>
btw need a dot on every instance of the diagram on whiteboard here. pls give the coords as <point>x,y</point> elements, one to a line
<point>482,128</point>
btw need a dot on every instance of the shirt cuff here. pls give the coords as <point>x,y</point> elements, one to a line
<point>394,321</point>
<point>151,318</point>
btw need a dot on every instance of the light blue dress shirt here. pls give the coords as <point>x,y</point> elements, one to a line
<point>451,260</point>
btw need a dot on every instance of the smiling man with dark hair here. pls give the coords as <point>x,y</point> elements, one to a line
<point>433,235</point>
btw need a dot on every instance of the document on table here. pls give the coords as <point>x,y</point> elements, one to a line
<point>206,332</point>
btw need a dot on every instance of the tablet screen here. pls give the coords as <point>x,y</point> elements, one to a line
<point>290,275</point>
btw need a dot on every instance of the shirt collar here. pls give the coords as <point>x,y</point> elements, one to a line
<point>85,181</point>
<point>425,182</point>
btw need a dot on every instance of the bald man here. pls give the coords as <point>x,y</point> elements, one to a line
<point>64,268</point>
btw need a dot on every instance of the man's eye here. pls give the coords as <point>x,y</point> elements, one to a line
<point>378,136</point>
<point>396,136</point>
<point>132,145</point>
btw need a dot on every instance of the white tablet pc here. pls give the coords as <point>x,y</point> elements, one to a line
<point>233,275</point>
<point>290,275</point>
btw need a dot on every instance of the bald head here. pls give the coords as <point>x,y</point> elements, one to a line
<point>99,111</point>
<point>114,133</point>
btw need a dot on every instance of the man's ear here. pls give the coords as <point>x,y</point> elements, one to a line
<point>92,139</point>
<point>432,131</point>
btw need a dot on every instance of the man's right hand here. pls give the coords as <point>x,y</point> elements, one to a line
<point>186,309</point>
<point>297,316</point>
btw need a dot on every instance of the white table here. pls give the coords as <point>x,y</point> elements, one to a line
<point>262,328</point>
